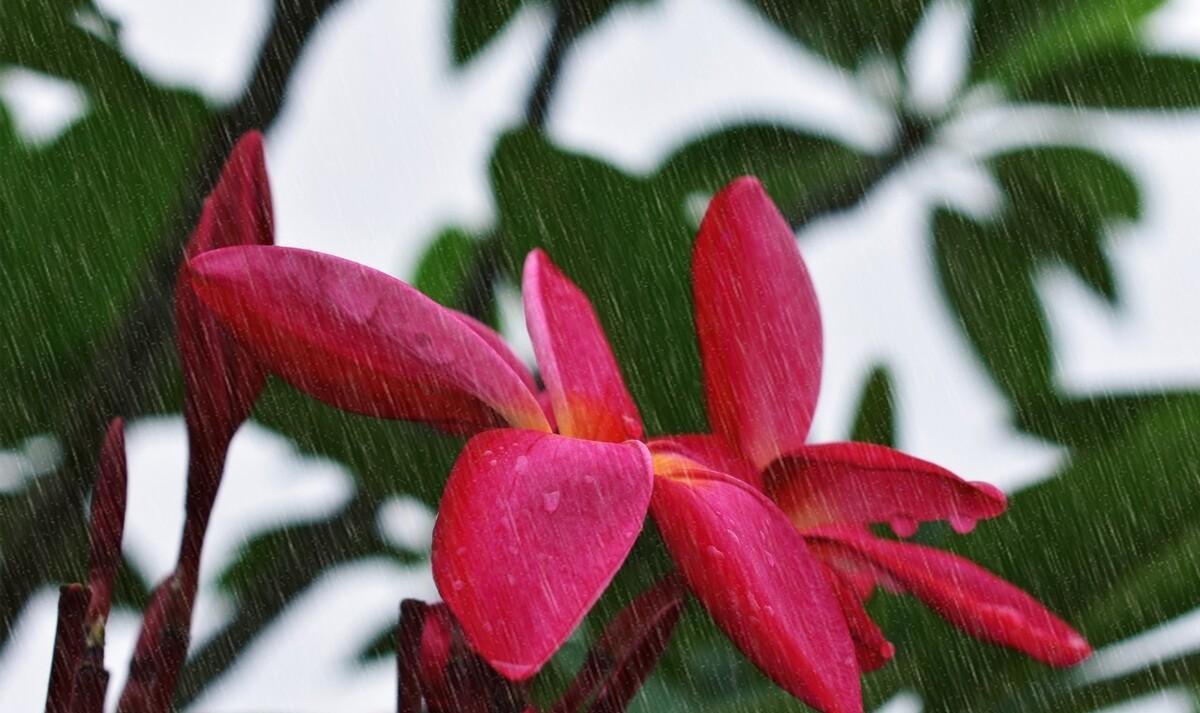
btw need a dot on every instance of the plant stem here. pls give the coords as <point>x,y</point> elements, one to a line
<point>913,135</point>
<point>476,296</point>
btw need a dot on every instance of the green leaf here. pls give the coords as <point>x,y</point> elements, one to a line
<point>846,32</point>
<point>1065,197</point>
<point>1059,203</point>
<point>1121,78</point>
<point>475,22</point>
<point>448,267</point>
<point>1092,421</point>
<point>91,209</point>
<point>985,274</point>
<point>1018,41</point>
<point>627,240</point>
<point>876,420</point>
<point>799,170</point>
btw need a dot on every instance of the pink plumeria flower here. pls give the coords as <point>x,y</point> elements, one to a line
<point>760,337</point>
<point>537,518</point>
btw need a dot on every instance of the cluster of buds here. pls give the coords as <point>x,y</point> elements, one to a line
<point>221,384</point>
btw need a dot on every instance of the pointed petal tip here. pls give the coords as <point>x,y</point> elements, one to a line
<point>744,187</point>
<point>852,482</point>
<point>754,297</point>
<point>587,390</point>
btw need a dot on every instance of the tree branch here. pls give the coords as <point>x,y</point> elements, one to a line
<point>567,23</point>
<point>913,135</point>
<point>476,296</point>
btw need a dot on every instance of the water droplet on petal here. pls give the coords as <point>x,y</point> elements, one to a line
<point>458,585</point>
<point>715,553</point>
<point>550,500</point>
<point>460,551</point>
<point>962,524</point>
<point>903,525</point>
<point>431,350</point>
<point>521,464</point>
<point>631,423</point>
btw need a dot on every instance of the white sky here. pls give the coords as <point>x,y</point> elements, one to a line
<point>382,143</point>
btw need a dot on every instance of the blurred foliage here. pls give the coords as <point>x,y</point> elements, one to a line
<point>1110,543</point>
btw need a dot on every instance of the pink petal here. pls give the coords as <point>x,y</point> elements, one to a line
<point>238,211</point>
<point>862,483</point>
<point>361,340</point>
<point>753,572</point>
<point>758,323</point>
<point>968,596</point>
<point>497,343</point>
<point>221,380</point>
<point>870,645</point>
<point>712,453</point>
<point>531,529</point>
<point>582,377</point>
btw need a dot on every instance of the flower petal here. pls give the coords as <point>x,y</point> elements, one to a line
<point>221,380</point>
<point>758,323</point>
<point>361,340</point>
<point>712,453</point>
<point>497,343</point>
<point>238,211</point>
<point>863,482</point>
<point>870,645</point>
<point>968,596</point>
<point>531,529</point>
<point>753,572</point>
<point>582,377</point>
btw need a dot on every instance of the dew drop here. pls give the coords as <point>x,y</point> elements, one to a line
<point>458,585</point>
<point>962,524</point>
<point>493,462</point>
<point>521,464</point>
<point>460,551</point>
<point>631,423</point>
<point>887,649</point>
<point>715,553</point>
<point>550,500</point>
<point>431,351</point>
<point>903,525</point>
